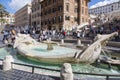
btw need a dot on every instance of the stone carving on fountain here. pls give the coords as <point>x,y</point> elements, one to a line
<point>23,39</point>
<point>92,53</point>
<point>88,55</point>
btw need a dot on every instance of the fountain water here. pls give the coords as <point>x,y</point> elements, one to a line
<point>77,67</point>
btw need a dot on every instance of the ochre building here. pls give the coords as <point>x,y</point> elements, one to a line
<point>59,14</point>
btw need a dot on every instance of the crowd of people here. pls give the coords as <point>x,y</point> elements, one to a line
<point>91,32</point>
<point>9,35</point>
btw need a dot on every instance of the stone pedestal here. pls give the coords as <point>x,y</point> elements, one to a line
<point>78,42</point>
<point>49,46</point>
<point>48,40</point>
<point>66,72</point>
<point>7,63</point>
<point>62,41</point>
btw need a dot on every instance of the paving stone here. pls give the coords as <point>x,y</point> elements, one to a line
<point>22,75</point>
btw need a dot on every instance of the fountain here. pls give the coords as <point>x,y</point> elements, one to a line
<point>49,46</point>
<point>28,47</point>
<point>35,53</point>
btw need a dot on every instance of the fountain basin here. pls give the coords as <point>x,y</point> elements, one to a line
<point>39,52</point>
<point>77,67</point>
<point>28,47</point>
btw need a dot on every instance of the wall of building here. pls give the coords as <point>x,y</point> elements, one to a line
<point>8,19</point>
<point>54,14</point>
<point>70,13</point>
<point>105,9</point>
<point>36,14</point>
<point>63,14</point>
<point>22,16</point>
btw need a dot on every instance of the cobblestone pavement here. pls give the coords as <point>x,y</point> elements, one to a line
<point>22,75</point>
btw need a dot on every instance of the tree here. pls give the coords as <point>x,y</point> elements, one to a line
<point>3,12</point>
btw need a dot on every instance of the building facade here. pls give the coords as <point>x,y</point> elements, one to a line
<point>7,20</point>
<point>105,9</point>
<point>36,14</point>
<point>59,14</point>
<point>23,16</point>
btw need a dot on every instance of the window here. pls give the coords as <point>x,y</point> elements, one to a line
<point>42,6</point>
<point>38,22</point>
<point>86,11</point>
<point>49,11</point>
<point>54,20</point>
<point>38,7</point>
<point>82,19</point>
<point>67,7</point>
<point>86,3</point>
<point>86,20</point>
<point>111,8</point>
<point>45,4</point>
<point>67,17</point>
<point>54,1</point>
<point>75,19</point>
<point>82,1</point>
<point>82,10</point>
<point>76,9</point>
<point>53,10</point>
<point>41,13</point>
<point>45,22</point>
<point>38,15</point>
<point>48,2</point>
<point>76,1</point>
<point>48,21</point>
<point>45,13</point>
<point>60,18</point>
<point>60,8</point>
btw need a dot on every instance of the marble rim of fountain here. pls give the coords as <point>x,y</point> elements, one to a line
<point>52,59</point>
<point>23,50</point>
<point>88,55</point>
<point>27,53</point>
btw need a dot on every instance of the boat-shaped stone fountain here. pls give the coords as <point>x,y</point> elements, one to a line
<point>47,52</point>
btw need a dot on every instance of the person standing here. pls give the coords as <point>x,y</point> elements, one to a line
<point>64,34</point>
<point>13,35</point>
<point>5,33</point>
<point>78,34</point>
